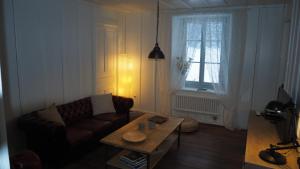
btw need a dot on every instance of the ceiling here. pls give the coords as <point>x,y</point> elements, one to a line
<point>134,5</point>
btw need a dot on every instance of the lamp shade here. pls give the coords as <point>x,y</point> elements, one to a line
<point>156,53</point>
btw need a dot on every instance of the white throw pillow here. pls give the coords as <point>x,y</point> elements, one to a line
<point>51,114</point>
<point>102,104</point>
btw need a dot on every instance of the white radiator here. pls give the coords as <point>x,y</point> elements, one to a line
<point>204,109</point>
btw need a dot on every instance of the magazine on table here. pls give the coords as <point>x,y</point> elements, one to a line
<point>158,119</point>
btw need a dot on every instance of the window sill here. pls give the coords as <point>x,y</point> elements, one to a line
<point>207,93</point>
<point>198,90</point>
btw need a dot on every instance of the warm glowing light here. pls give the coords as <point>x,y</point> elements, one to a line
<point>129,79</point>
<point>124,79</point>
<point>121,91</point>
<point>130,66</point>
<point>125,75</point>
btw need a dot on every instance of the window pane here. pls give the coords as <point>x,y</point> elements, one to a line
<point>213,51</point>
<point>214,31</point>
<point>211,73</point>
<point>194,50</point>
<point>193,74</point>
<point>194,31</point>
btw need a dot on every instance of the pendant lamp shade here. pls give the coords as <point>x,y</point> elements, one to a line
<point>156,53</point>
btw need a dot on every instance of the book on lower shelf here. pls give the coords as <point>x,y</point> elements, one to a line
<point>134,160</point>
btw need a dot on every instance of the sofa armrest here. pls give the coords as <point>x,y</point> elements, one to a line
<point>31,123</point>
<point>122,104</point>
<point>26,159</point>
<point>44,137</point>
<point>42,133</point>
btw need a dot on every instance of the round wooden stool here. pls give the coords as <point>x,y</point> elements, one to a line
<point>189,125</point>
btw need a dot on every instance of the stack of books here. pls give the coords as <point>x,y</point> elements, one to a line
<point>134,160</point>
<point>158,119</point>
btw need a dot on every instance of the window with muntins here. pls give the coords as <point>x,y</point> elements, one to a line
<point>207,45</point>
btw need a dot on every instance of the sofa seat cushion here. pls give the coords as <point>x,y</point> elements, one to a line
<point>76,136</point>
<point>112,117</point>
<point>93,125</point>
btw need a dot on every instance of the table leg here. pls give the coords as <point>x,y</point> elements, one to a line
<point>148,161</point>
<point>179,134</point>
<point>105,156</point>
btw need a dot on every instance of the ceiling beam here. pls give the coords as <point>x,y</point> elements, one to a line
<point>166,4</point>
<point>185,4</point>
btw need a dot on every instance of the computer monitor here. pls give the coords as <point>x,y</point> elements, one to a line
<point>286,130</point>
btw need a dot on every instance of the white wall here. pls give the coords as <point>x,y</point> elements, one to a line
<point>51,56</point>
<point>263,57</point>
<point>268,55</point>
<point>140,39</point>
<point>4,155</point>
<point>54,51</point>
<point>149,91</point>
<point>264,53</point>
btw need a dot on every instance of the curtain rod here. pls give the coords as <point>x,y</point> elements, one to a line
<point>220,8</point>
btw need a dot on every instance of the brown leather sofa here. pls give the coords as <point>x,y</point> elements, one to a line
<point>54,143</point>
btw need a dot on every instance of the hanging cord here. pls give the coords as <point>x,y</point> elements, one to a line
<point>157,19</point>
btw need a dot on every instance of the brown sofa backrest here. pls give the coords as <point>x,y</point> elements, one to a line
<point>74,111</point>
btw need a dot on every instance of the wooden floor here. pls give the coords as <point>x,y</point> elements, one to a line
<point>212,147</point>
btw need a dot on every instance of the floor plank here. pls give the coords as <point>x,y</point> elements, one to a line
<point>212,147</point>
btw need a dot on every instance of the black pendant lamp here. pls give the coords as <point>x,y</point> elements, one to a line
<point>156,53</point>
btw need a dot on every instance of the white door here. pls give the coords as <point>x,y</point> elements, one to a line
<point>106,58</point>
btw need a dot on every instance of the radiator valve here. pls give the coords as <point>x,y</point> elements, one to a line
<point>215,118</point>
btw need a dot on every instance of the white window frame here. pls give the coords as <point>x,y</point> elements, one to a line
<point>201,84</point>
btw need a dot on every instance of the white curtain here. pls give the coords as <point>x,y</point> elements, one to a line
<point>186,48</point>
<point>178,52</point>
<point>292,74</point>
<point>217,50</point>
<point>235,68</point>
<point>225,28</point>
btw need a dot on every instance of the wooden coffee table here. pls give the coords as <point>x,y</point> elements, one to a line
<point>159,140</point>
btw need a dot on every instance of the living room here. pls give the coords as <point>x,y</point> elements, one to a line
<point>222,59</point>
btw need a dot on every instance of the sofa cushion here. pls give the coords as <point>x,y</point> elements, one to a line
<point>96,126</point>
<point>51,114</point>
<point>112,117</point>
<point>75,111</point>
<point>102,104</point>
<point>76,136</point>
